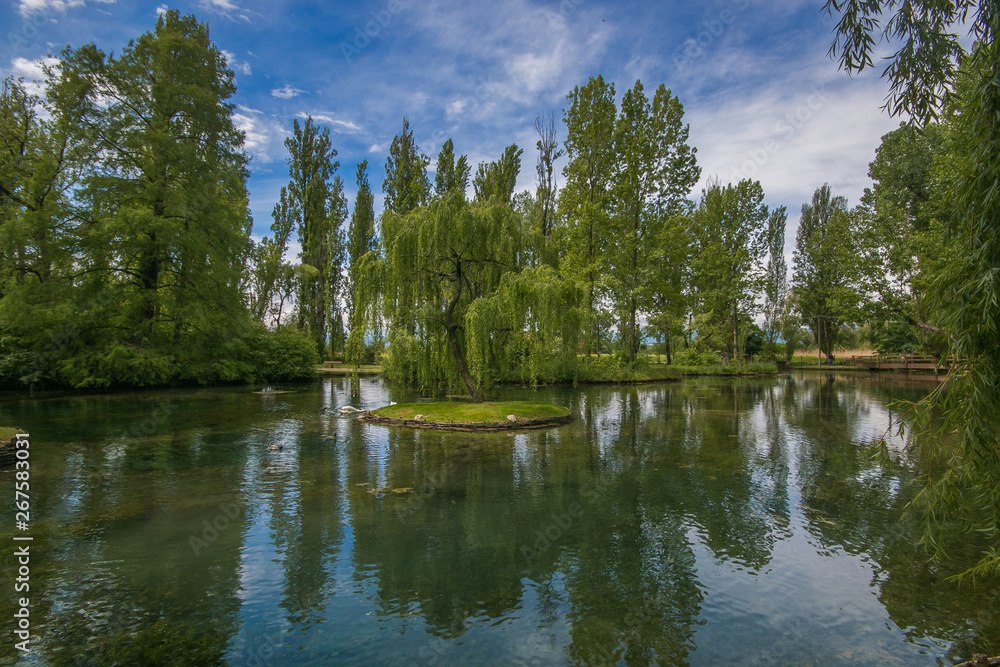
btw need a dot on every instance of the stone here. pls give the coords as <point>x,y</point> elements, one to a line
<point>511,418</point>
<point>418,418</point>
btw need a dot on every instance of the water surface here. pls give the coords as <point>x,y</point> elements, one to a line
<point>696,523</point>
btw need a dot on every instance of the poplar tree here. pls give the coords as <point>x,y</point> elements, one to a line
<point>585,200</point>
<point>823,268</point>
<point>317,204</point>
<point>362,247</point>
<point>451,174</point>
<point>654,170</point>
<point>405,186</point>
<point>775,277</point>
<point>729,228</point>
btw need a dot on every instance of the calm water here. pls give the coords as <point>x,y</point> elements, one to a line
<point>703,522</point>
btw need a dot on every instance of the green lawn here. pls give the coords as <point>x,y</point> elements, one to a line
<point>452,412</point>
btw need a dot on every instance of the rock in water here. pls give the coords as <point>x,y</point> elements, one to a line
<point>274,448</point>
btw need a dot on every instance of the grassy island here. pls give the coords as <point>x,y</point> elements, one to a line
<point>460,415</point>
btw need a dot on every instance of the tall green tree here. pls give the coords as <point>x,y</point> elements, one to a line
<point>317,203</point>
<point>901,234</point>
<point>654,170</point>
<point>729,230</point>
<point>775,278</point>
<point>362,293</point>
<point>585,201</point>
<point>451,174</point>
<point>545,191</point>
<point>268,266</point>
<point>42,160</point>
<point>498,178</point>
<point>405,186</point>
<point>823,270</point>
<point>966,292</point>
<point>169,224</point>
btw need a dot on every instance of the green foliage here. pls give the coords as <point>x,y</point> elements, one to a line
<point>285,354</point>
<point>654,169</point>
<point>497,179</point>
<point>132,273</point>
<point>729,227</point>
<point>319,207</point>
<point>965,292</point>
<point>693,356</point>
<point>405,186</point>
<point>825,268</point>
<point>362,291</point>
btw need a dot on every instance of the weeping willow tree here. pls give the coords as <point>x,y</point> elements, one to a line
<point>461,306</point>
<point>931,71</point>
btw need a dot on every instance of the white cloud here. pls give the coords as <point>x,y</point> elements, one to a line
<point>337,124</point>
<point>264,135</point>
<point>29,8</point>
<point>33,73</point>
<point>226,8</point>
<point>236,64</point>
<point>162,9</point>
<point>286,92</point>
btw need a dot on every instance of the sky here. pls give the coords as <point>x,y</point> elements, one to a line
<point>761,95</point>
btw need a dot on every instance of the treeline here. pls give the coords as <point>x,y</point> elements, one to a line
<point>127,257</point>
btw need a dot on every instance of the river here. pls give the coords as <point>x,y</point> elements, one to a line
<point>702,522</point>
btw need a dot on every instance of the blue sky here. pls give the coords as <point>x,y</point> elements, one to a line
<point>761,95</point>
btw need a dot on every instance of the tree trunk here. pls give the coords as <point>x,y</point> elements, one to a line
<point>452,330</point>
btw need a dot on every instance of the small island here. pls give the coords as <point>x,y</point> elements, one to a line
<point>462,416</point>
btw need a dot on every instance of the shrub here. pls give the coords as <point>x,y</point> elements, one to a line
<point>283,355</point>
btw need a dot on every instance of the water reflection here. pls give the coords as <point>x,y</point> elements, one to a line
<point>665,525</point>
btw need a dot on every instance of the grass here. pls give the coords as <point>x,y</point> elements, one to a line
<point>460,412</point>
<point>7,432</point>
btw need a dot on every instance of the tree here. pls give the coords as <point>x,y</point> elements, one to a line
<point>317,204</point>
<point>966,291</point>
<point>440,258</point>
<point>775,278</point>
<point>823,268</point>
<point>405,185</point>
<point>268,266</point>
<point>729,228</point>
<point>498,178</point>
<point>901,236</point>
<point>451,174</point>
<point>41,163</point>
<point>166,208</point>
<point>585,199</point>
<point>548,152</point>
<point>362,292</point>
<point>653,172</point>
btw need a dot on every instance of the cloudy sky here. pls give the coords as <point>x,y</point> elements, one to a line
<point>762,97</point>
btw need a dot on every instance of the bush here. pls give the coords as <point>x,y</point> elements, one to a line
<point>692,356</point>
<point>283,355</point>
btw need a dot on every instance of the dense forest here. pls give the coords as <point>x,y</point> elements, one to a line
<point>127,258</point>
